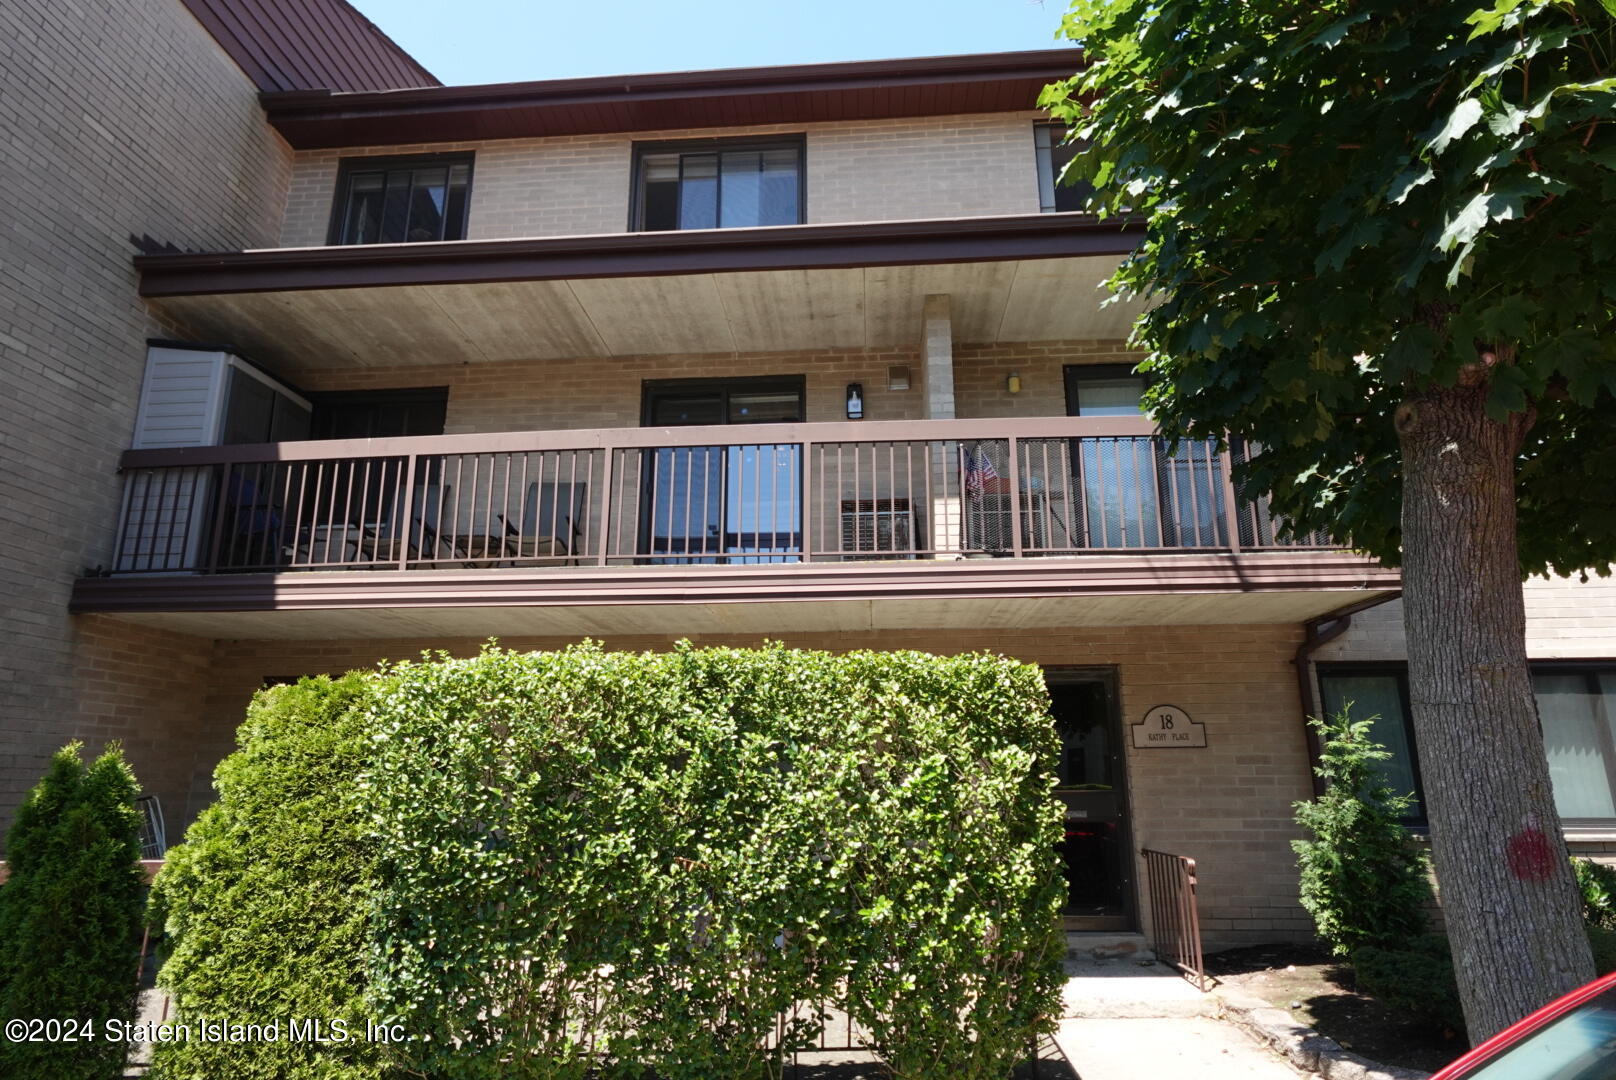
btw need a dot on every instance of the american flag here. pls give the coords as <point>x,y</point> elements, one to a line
<point>978,468</point>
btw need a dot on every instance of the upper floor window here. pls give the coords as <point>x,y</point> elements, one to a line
<point>401,200</point>
<point>1053,154</point>
<point>718,185</point>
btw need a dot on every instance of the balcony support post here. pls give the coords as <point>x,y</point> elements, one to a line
<point>607,498</point>
<point>1231,508</point>
<point>1014,481</point>
<point>406,516</point>
<point>805,500</point>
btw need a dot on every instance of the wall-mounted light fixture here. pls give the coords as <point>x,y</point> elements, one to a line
<point>1013,383</point>
<point>897,378</point>
<point>855,401</point>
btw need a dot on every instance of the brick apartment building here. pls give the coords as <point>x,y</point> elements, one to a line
<point>314,362</point>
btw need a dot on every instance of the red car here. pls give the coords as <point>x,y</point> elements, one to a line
<point>1573,1038</point>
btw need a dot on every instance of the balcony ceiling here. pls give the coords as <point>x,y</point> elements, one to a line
<point>1033,278</point>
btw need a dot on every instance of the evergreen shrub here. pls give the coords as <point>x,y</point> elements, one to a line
<point>265,904</point>
<point>654,856</point>
<point>1362,880</point>
<point>70,916</point>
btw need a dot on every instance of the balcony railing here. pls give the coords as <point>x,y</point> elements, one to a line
<point>737,495</point>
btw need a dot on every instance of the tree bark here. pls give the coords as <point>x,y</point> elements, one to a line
<point>1509,899</point>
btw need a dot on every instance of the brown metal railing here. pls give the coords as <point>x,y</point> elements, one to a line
<point>1175,921</point>
<point>737,495</point>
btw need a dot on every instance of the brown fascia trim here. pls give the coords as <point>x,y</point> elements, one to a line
<point>1104,575</point>
<point>786,247</point>
<point>801,93</point>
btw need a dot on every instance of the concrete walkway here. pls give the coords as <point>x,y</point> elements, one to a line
<point>1129,989</point>
<point>1127,1017</point>
<point>1198,1047</point>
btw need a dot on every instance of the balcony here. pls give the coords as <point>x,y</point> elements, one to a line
<point>777,514</point>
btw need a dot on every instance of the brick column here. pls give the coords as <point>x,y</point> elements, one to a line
<point>937,375</point>
<point>937,357</point>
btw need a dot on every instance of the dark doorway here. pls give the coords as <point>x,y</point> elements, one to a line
<point>1096,848</point>
<point>380,414</point>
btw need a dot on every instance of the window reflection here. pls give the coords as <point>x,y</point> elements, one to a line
<point>393,202</point>
<point>727,188</point>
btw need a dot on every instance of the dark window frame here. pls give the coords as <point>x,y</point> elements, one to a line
<point>1072,376</point>
<point>1047,142</point>
<point>636,191</point>
<point>326,400</point>
<point>1397,669</point>
<point>342,195</point>
<point>725,385</point>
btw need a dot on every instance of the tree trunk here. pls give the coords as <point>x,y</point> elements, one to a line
<point>1511,905</point>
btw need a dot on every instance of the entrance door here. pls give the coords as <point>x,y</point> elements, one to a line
<point>1096,849</point>
<point>712,504</point>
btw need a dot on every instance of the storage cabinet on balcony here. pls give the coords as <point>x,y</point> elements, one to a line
<point>192,397</point>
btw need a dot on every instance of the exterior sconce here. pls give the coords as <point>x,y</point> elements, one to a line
<point>855,401</point>
<point>897,378</point>
<point>1013,383</point>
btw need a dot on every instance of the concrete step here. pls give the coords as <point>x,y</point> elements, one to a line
<point>1130,990</point>
<point>1084,945</point>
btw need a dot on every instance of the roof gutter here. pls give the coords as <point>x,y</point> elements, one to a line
<point>802,93</point>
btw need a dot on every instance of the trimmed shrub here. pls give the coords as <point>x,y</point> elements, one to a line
<point>265,904</point>
<point>70,916</point>
<point>1417,977</point>
<point>1362,880</point>
<point>1597,883</point>
<point>654,856</point>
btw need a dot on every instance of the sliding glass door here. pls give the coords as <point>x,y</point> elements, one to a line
<point>1135,495</point>
<point>723,504</point>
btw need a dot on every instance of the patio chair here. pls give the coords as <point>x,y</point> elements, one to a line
<point>418,537</point>
<point>255,532</point>
<point>551,522</point>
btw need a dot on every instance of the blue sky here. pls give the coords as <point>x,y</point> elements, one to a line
<point>479,41</point>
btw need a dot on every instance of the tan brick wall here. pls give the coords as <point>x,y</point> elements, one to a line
<point>879,170</point>
<point>1566,619</point>
<point>120,118</point>
<point>146,688</point>
<point>1228,805</point>
<point>982,372</point>
<point>587,393</point>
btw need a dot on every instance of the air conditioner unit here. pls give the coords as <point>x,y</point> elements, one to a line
<point>878,529</point>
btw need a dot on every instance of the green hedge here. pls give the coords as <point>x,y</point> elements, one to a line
<point>653,856</point>
<point>70,916</point>
<point>265,904</point>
